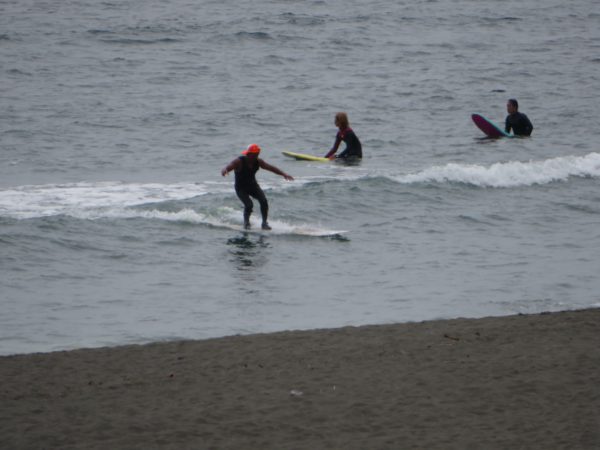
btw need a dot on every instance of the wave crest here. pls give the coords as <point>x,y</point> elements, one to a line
<point>509,174</point>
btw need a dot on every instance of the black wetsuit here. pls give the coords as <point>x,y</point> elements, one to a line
<point>519,123</point>
<point>353,146</point>
<point>246,186</point>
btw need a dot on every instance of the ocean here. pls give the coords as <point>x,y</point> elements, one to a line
<point>116,226</point>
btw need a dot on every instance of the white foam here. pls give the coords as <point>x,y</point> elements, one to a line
<point>232,219</point>
<point>110,200</point>
<point>225,217</point>
<point>510,174</point>
<point>79,199</point>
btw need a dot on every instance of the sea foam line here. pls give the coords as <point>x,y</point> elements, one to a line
<point>106,200</point>
<point>225,217</point>
<point>77,199</point>
<point>25,202</point>
<point>509,174</point>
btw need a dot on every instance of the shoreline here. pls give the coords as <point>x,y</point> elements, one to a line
<point>521,381</point>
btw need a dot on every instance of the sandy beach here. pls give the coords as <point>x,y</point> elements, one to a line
<point>517,382</point>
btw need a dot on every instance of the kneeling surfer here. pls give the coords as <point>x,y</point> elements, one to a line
<point>245,168</point>
<point>353,148</point>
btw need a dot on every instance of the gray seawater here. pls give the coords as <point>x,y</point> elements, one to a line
<point>116,118</point>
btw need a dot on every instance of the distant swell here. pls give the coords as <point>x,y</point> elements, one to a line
<point>260,35</point>
<point>126,41</point>
<point>510,174</point>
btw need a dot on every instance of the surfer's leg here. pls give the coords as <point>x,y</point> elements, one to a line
<point>259,195</point>
<point>248,205</point>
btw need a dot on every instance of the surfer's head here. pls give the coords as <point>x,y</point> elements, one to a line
<point>341,120</point>
<point>512,106</point>
<point>253,149</point>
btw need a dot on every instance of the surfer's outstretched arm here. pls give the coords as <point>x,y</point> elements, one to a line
<point>274,169</point>
<point>231,166</point>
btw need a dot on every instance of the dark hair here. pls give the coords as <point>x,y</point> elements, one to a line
<point>514,102</point>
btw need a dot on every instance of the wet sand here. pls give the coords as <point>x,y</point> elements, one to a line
<point>517,382</point>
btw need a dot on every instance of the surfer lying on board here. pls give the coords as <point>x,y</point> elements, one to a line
<point>519,122</point>
<point>353,148</point>
<point>245,168</point>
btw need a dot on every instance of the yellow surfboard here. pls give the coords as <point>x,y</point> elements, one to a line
<point>304,157</point>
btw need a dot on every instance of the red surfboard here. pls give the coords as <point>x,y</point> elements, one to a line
<point>488,127</point>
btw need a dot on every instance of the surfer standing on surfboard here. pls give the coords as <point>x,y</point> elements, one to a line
<point>353,148</point>
<point>519,122</point>
<point>245,168</point>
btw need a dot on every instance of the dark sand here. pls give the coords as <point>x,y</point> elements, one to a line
<point>519,382</point>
